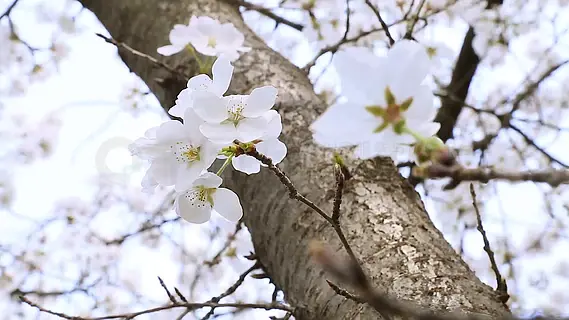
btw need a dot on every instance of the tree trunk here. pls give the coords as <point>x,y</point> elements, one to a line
<point>383,217</point>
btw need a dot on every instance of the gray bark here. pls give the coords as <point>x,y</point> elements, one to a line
<point>383,217</point>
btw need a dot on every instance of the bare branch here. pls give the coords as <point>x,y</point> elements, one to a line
<point>295,194</point>
<point>144,55</point>
<point>267,13</point>
<point>217,258</point>
<point>9,9</point>
<point>231,289</point>
<point>170,296</point>
<point>553,177</point>
<point>338,192</point>
<point>501,285</point>
<point>191,306</point>
<point>345,293</point>
<point>414,20</point>
<point>532,143</point>
<point>381,22</point>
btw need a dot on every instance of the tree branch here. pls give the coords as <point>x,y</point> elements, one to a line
<point>553,177</point>
<point>267,13</point>
<point>501,285</point>
<point>191,306</point>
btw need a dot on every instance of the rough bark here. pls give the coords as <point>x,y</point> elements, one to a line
<point>383,217</point>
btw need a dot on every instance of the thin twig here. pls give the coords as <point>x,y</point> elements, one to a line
<point>145,227</point>
<point>144,55</point>
<point>295,194</point>
<point>411,28</point>
<point>217,258</point>
<point>345,293</point>
<point>231,289</point>
<point>335,47</point>
<point>501,285</point>
<point>348,14</point>
<point>338,193</point>
<point>9,9</point>
<point>192,306</point>
<point>180,295</point>
<point>532,143</point>
<point>267,13</point>
<point>381,22</point>
<point>170,296</point>
<point>285,180</point>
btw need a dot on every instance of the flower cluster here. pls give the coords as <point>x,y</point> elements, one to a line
<point>387,110</point>
<point>214,127</point>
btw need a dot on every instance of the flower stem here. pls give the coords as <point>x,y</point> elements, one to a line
<point>196,56</point>
<point>225,164</point>
<point>415,135</point>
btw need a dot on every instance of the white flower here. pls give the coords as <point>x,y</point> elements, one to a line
<point>233,117</point>
<point>222,72</point>
<point>146,147</point>
<point>180,36</point>
<point>212,38</point>
<point>269,146</point>
<point>204,195</point>
<point>179,153</point>
<point>379,104</point>
<point>208,36</point>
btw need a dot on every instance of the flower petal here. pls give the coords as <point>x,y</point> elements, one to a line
<point>177,110</point>
<point>192,212</point>
<point>274,149</point>
<point>250,129</point>
<point>408,65</point>
<point>178,36</point>
<point>171,130</point>
<point>227,204</point>
<point>219,133</point>
<point>201,82</point>
<point>348,123</point>
<point>208,180</point>
<point>192,124</point>
<point>378,147</point>
<point>222,72</point>
<point>209,106</point>
<point>163,172</point>
<point>422,108</point>
<point>187,175</point>
<point>151,133</point>
<point>246,164</point>
<point>260,101</point>
<point>350,66</point>
<point>169,50</point>
<point>428,129</point>
<point>275,126</point>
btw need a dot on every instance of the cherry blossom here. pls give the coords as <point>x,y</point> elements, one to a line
<point>208,36</point>
<point>385,110</point>
<point>146,147</point>
<point>204,196</point>
<point>269,145</point>
<point>178,153</point>
<point>233,117</point>
<point>222,71</point>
